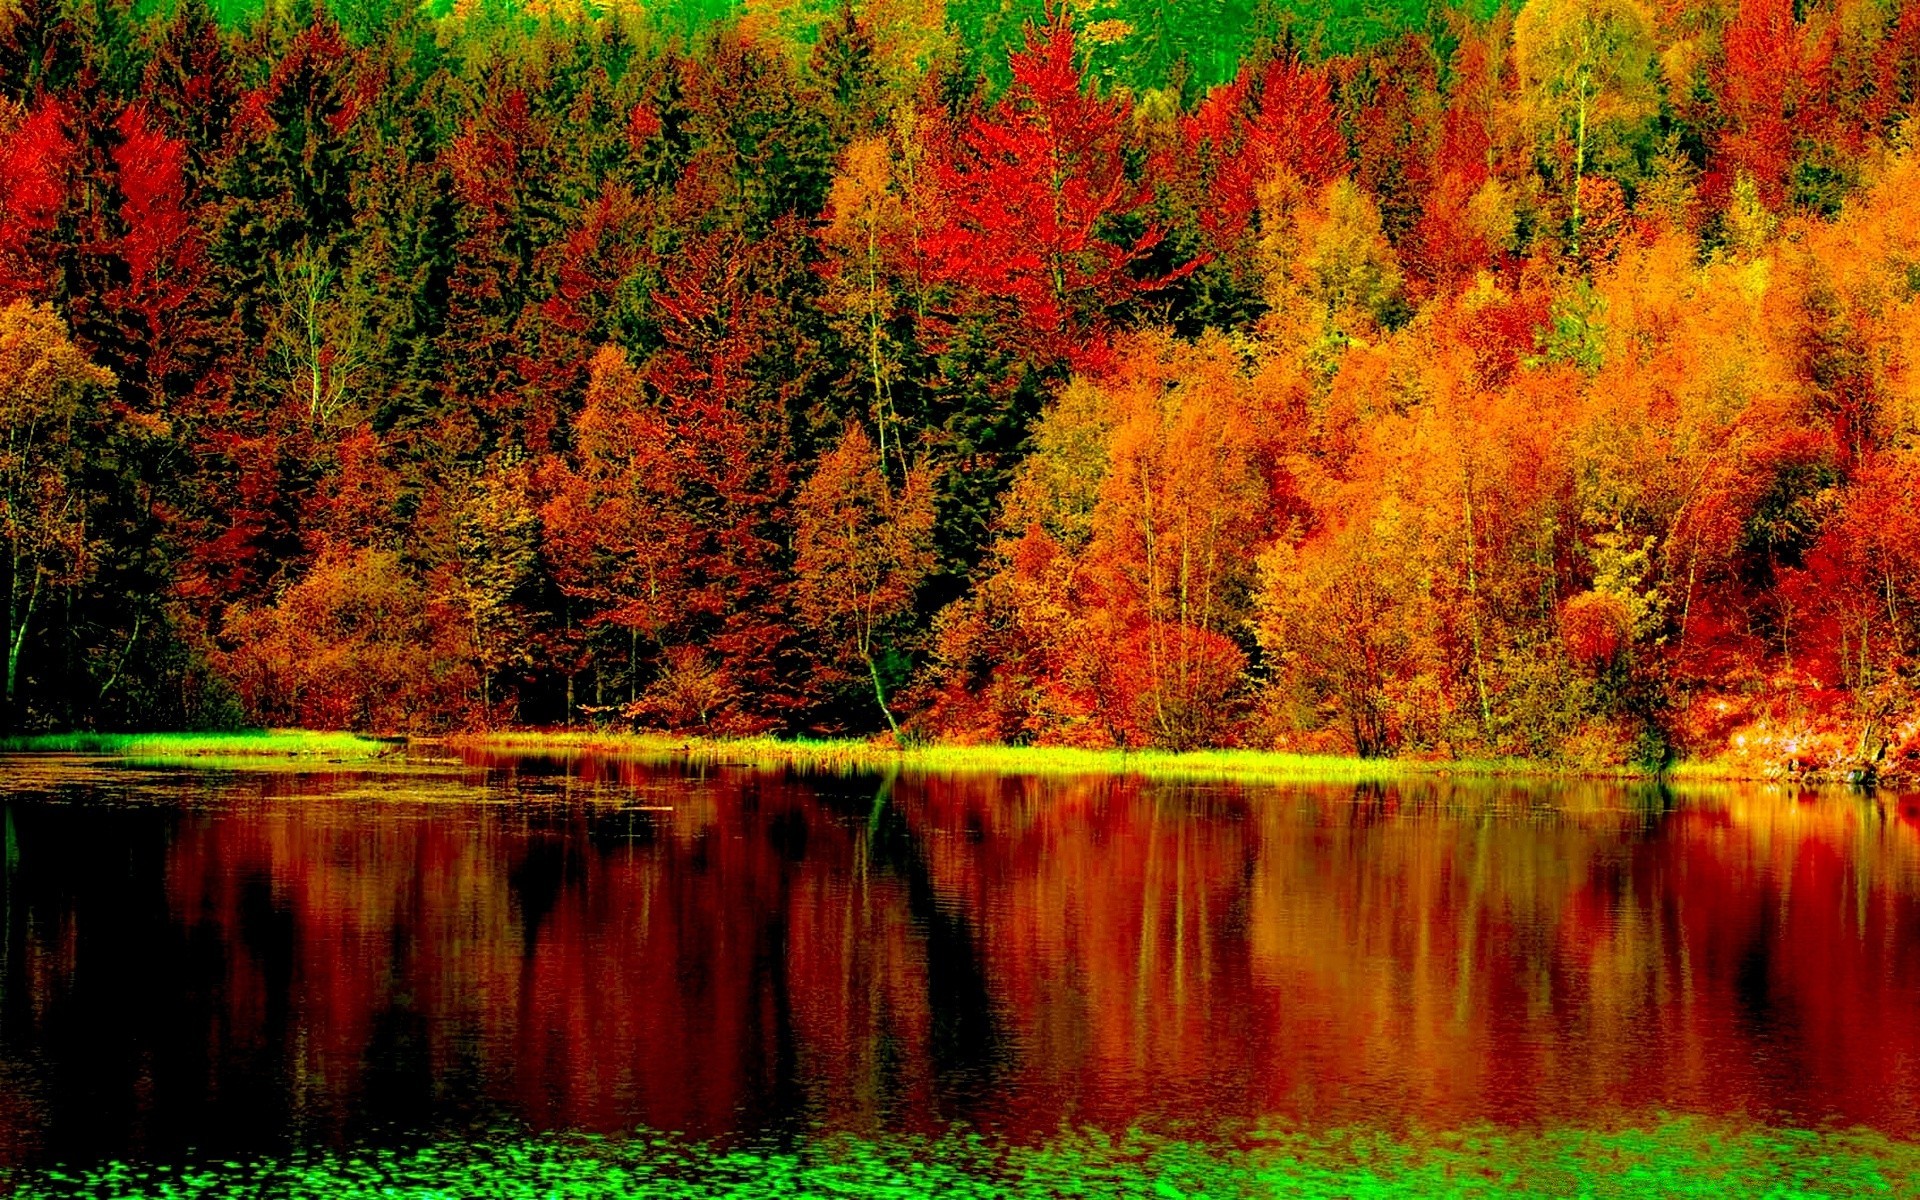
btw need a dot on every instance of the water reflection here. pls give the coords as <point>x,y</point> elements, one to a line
<point>246,963</point>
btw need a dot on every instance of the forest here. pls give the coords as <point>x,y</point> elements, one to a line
<point>1536,382</point>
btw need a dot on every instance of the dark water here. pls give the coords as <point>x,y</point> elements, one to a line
<point>198,966</point>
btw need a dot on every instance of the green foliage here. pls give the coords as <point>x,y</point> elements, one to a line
<point>1622,568</point>
<point>1538,702</point>
<point>1791,512</point>
<point>1576,333</point>
<point>1141,44</point>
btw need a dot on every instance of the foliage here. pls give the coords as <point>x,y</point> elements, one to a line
<point>862,547</point>
<point>1517,383</point>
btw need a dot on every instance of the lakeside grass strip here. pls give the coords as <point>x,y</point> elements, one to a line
<point>1678,1158</point>
<point>238,746</point>
<point>240,749</point>
<point>1189,766</point>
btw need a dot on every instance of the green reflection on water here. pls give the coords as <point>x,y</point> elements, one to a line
<point>1682,1157</point>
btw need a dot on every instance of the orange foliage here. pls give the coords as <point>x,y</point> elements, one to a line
<point>861,548</point>
<point>1128,568</point>
<point>356,644</point>
<point>1595,627</point>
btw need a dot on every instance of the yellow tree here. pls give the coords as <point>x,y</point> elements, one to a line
<point>499,548</point>
<point>615,530</point>
<point>861,548</point>
<point>1182,511</point>
<point>865,217</point>
<point>1332,278</point>
<point>1588,64</point>
<point>1338,622</point>
<point>44,384</point>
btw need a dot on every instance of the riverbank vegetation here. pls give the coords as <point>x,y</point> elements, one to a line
<point>252,744</point>
<point>885,755</point>
<point>1441,385</point>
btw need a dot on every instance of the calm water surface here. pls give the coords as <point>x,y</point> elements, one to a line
<point>203,966</point>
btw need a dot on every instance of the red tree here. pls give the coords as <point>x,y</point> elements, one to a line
<point>1031,197</point>
<point>35,159</point>
<point>1278,119</point>
<point>1772,88</point>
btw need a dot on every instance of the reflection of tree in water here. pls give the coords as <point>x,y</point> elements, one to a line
<point>969,1048</point>
<point>783,952</point>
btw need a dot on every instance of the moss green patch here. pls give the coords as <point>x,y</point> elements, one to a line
<point>1681,1158</point>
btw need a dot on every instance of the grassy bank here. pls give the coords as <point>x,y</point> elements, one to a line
<point>298,747</point>
<point>848,755</point>
<point>205,747</point>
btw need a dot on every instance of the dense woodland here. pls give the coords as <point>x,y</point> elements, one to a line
<point>1543,382</point>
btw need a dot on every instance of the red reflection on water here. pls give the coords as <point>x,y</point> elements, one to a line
<point>324,960</point>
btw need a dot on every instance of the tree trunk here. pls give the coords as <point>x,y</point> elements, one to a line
<point>1473,613</point>
<point>11,577</point>
<point>879,693</point>
<point>1580,159</point>
<point>18,640</point>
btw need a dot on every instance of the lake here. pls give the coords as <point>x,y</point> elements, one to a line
<point>515,975</point>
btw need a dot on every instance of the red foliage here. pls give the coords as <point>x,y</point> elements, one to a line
<point>1442,249</point>
<point>1031,193</point>
<point>35,159</point>
<point>164,252</point>
<point>1280,119</point>
<point>615,536</point>
<point>1773,88</point>
<point>1594,628</point>
<point>1896,68</point>
<point>733,463</point>
<point>1162,675</point>
<point>643,125</point>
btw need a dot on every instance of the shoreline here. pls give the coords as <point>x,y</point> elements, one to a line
<point>846,754</point>
<point>1228,763</point>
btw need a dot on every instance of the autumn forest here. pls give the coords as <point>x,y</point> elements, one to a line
<point>1539,382</point>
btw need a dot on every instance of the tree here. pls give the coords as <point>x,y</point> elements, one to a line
<point>45,383</point>
<point>1277,119</point>
<point>732,383</point>
<point>356,643</point>
<point>861,548</point>
<point>615,537</point>
<point>1588,64</point>
<point>1337,620</point>
<point>498,549</point>
<point>1331,276</point>
<point>1773,88</point>
<point>319,343</point>
<point>1035,197</point>
<point>35,160</point>
<point>865,226</point>
<point>1182,509</point>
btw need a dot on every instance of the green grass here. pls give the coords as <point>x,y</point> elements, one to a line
<point>195,747</point>
<point>1674,1158</point>
<point>1192,765</point>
